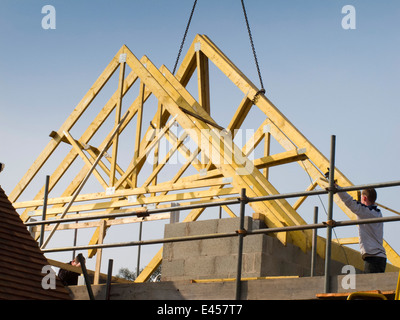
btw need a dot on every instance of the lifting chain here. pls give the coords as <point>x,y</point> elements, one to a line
<point>184,36</point>
<point>262,90</point>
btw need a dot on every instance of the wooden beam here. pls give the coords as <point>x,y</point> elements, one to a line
<point>280,158</point>
<point>85,138</point>
<point>172,185</point>
<point>195,115</point>
<point>300,201</point>
<point>105,169</point>
<point>85,158</point>
<point>155,262</point>
<point>172,138</point>
<point>267,151</point>
<point>147,200</point>
<point>240,114</point>
<point>69,267</point>
<point>156,148</point>
<point>77,191</point>
<point>102,234</point>
<point>253,96</point>
<point>169,97</point>
<point>188,66</point>
<point>392,255</point>
<point>254,140</point>
<point>203,80</point>
<point>342,241</point>
<point>136,161</point>
<point>133,110</point>
<point>191,101</point>
<point>387,208</point>
<point>117,120</point>
<point>161,165</point>
<point>273,113</point>
<point>94,126</point>
<point>66,126</point>
<point>109,223</point>
<point>138,135</point>
<point>224,158</point>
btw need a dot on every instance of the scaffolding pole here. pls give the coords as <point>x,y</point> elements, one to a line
<point>142,211</point>
<point>321,225</point>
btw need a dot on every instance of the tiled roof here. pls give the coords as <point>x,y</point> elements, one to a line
<point>21,260</point>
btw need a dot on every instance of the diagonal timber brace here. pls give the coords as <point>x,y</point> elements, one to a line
<point>221,159</point>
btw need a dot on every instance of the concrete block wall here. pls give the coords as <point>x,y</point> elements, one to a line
<point>263,255</point>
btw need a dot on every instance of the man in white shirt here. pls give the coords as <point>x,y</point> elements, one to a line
<point>371,235</point>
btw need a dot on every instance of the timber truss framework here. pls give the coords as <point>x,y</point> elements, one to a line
<point>224,168</point>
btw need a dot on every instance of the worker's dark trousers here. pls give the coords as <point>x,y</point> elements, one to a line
<point>374,264</point>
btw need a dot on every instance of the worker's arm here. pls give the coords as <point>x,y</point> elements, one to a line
<point>356,207</point>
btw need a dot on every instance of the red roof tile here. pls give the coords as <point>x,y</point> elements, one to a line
<point>21,260</point>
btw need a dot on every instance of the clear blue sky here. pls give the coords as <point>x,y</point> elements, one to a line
<point>325,79</point>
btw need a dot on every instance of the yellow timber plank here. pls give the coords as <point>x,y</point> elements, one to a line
<point>236,152</point>
<point>72,155</point>
<point>200,129</point>
<point>66,126</point>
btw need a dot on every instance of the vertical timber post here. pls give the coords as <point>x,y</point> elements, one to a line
<point>102,233</point>
<point>241,232</point>
<point>330,214</point>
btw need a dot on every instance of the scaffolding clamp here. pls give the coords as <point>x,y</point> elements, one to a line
<point>330,223</point>
<point>242,232</point>
<point>244,199</point>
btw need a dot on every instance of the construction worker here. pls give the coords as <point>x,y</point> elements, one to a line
<point>70,278</point>
<point>370,235</point>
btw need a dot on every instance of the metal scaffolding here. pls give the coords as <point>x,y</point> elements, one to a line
<point>241,232</point>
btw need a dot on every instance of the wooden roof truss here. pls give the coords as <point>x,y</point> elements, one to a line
<point>222,167</point>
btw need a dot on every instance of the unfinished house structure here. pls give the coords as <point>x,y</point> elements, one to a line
<point>143,178</point>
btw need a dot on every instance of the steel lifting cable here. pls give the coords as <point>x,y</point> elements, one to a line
<point>184,36</point>
<point>262,90</point>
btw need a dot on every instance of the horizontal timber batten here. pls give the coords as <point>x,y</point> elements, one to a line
<point>224,170</point>
<point>281,158</point>
<point>237,201</point>
<point>140,201</point>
